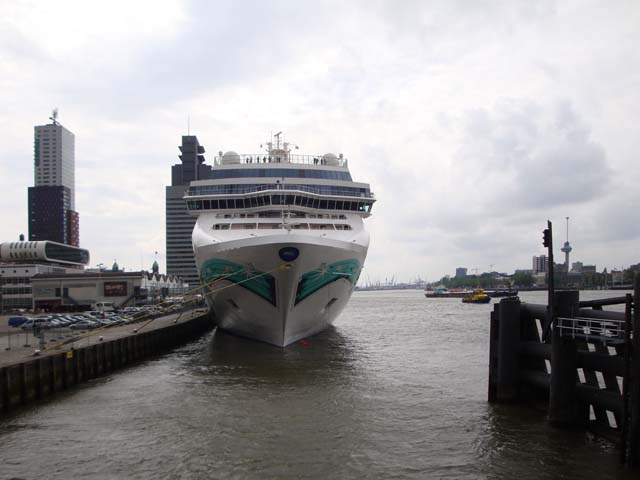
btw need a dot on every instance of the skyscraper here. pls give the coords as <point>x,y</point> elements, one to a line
<point>540,264</point>
<point>179,224</point>
<point>52,214</point>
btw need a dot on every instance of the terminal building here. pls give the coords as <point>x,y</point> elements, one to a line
<point>83,290</point>
<point>21,261</point>
<point>50,276</point>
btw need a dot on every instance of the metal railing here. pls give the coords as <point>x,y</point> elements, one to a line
<point>209,190</point>
<point>256,158</point>
<point>592,329</point>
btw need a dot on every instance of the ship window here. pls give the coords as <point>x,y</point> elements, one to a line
<point>339,205</point>
<point>289,200</point>
<point>253,201</point>
<point>331,204</point>
<point>224,226</point>
<point>298,200</point>
<point>323,204</point>
<point>214,204</point>
<point>301,226</point>
<point>206,204</point>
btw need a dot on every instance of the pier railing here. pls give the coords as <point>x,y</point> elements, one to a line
<point>607,332</point>
<point>587,370</point>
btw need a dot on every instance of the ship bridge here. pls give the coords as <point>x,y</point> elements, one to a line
<point>278,178</point>
<point>267,196</point>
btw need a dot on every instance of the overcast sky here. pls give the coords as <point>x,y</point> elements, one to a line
<point>473,121</point>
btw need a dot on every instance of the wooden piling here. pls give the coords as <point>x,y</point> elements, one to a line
<point>633,436</point>
<point>508,349</point>
<point>493,354</point>
<point>563,407</point>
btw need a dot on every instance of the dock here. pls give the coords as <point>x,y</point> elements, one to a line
<point>29,373</point>
<point>577,360</point>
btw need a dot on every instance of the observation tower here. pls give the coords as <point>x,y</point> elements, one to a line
<point>566,249</point>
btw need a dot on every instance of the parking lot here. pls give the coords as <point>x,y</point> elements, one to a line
<point>65,330</point>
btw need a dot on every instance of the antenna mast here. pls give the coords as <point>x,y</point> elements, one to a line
<point>54,116</point>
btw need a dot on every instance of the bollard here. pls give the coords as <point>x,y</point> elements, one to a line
<point>508,349</point>
<point>563,405</point>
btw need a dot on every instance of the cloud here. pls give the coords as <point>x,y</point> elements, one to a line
<point>474,122</point>
<point>530,157</point>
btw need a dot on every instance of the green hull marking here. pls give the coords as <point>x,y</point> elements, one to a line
<point>264,285</point>
<point>316,279</point>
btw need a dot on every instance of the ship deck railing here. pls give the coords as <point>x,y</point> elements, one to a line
<point>264,158</point>
<point>201,191</point>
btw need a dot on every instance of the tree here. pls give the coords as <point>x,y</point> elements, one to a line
<point>523,279</point>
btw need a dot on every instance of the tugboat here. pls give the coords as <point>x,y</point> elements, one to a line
<point>477,296</point>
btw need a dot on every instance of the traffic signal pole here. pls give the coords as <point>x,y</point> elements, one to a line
<point>547,241</point>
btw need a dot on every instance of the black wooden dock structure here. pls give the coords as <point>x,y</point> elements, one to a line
<point>578,360</point>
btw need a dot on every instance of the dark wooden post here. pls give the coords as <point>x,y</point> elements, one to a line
<point>634,381</point>
<point>508,349</point>
<point>563,407</point>
<point>493,354</point>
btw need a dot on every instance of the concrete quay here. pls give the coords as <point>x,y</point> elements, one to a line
<point>26,377</point>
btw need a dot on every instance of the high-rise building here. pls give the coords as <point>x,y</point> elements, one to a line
<point>179,224</point>
<point>461,272</point>
<point>52,213</point>
<point>540,264</point>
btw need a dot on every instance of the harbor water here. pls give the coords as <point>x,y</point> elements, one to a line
<point>397,389</point>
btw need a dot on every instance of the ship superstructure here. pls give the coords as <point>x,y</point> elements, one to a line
<point>279,240</point>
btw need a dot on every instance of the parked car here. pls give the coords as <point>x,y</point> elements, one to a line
<point>84,325</point>
<point>40,322</point>
<point>66,320</point>
<point>16,321</point>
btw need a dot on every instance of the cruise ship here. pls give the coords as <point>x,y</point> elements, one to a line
<point>279,240</point>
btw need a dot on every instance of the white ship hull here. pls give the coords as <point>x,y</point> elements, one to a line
<point>254,293</point>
